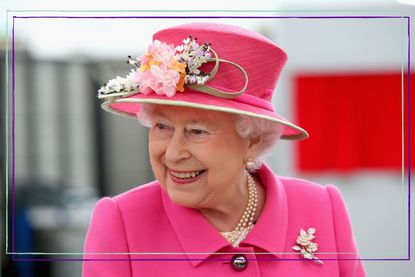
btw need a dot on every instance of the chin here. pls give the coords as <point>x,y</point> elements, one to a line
<point>181,198</point>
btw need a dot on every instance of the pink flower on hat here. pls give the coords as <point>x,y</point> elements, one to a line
<point>157,71</point>
<point>161,52</point>
<point>163,81</point>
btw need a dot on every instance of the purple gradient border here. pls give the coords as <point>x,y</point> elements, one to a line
<point>408,258</point>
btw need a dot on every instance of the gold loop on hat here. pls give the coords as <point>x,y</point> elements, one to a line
<point>216,67</point>
<point>218,92</point>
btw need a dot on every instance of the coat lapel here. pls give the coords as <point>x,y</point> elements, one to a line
<point>199,239</point>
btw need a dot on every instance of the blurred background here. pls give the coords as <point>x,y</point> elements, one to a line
<point>343,83</point>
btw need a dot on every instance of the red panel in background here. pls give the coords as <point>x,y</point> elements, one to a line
<point>354,121</point>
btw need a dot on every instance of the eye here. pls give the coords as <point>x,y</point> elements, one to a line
<point>161,130</point>
<point>161,126</point>
<point>198,132</point>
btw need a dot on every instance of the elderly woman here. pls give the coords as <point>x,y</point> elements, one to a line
<point>204,90</point>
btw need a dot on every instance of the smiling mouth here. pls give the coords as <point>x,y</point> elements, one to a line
<point>186,175</point>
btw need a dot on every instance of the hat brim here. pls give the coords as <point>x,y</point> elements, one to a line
<point>129,107</point>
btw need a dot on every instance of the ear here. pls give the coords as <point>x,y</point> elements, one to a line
<point>254,147</point>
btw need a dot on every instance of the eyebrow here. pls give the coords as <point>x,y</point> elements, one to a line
<point>199,124</point>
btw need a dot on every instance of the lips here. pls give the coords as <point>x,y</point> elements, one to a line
<point>185,177</point>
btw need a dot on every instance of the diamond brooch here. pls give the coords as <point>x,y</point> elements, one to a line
<point>306,246</point>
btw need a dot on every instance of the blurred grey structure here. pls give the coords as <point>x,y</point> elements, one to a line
<point>68,153</point>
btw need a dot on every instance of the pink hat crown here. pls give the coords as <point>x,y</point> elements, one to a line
<point>258,56</point>
<point>208,66</point>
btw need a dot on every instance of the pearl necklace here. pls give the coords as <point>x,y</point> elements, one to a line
<point>246,223</point>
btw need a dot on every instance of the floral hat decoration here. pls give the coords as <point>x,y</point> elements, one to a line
<point>208,66</point>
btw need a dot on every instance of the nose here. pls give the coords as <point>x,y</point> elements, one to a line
<point>177,148</point>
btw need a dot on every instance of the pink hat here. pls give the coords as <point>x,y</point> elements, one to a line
<point>207,66</point>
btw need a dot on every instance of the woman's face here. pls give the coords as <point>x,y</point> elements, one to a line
<point>197,156</point>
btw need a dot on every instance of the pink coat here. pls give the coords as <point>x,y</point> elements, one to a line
<point>147,234</point>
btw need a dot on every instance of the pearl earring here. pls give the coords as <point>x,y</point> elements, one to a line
<point>251,166</point>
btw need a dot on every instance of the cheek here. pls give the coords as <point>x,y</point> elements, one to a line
<point>156,147</point>
<point>234,148</point>
<point>226,157</point>
<point>156,158</point>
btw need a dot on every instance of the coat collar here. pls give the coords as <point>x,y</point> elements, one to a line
<point>270,230</point>
<point>199,239</point>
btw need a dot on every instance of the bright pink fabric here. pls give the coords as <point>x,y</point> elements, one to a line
<point>144,220</point>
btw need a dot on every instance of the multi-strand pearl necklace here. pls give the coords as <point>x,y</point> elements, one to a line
<point>246,223</point>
